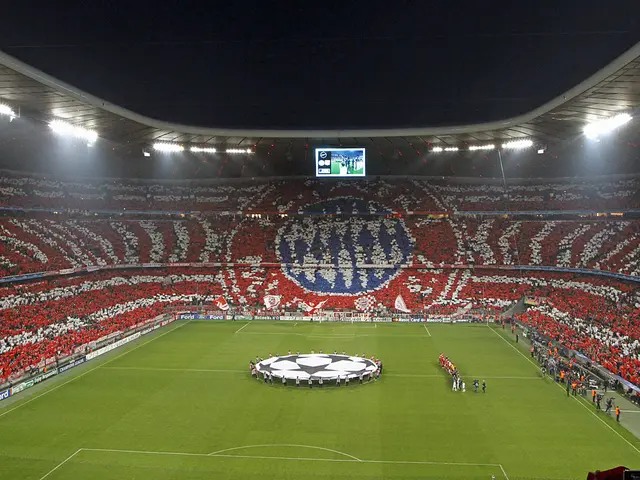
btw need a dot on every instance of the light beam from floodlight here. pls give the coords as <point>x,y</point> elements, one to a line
<point>168,147</point>
<point>65,128</point>
<point>601,127</point>
<point>518,144</point>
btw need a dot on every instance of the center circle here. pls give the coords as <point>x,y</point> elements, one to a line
<point>316,366</point>
<point>343,247</point>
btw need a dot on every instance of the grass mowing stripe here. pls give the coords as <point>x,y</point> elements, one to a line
<point>576,398</point>
<point>88,371</point>
<point>340,335</point>
<point>407,375</point>
<point>405,418</point>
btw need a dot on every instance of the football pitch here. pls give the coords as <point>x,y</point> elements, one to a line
<point>181,405</point>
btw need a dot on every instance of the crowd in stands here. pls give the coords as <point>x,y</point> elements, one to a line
<point>17,190</point>
<point>604,328</point>
<point>52,243</point>
<point>49,318</point>
<point>440,265</point>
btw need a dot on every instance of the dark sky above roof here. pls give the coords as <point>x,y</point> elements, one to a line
<point>322,64</point>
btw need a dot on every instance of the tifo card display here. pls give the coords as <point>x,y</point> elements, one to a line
<point>340,162</point>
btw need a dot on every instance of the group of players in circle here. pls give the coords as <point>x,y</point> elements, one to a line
<point>458,383</point>
<point>361,378</point>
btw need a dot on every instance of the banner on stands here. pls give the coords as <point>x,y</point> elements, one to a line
<point>271,301</point>
<point>221,303</point>
<point>4,394</point>
<point>401,305</point>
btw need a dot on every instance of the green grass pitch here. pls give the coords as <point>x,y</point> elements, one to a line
<point>158,408</point>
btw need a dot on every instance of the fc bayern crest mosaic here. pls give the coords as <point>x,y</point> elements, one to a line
<point>339,241</point>
<point>316,366</point>
<point>335,251</point>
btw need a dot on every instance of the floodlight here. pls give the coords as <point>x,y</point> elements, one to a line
<point>600,127</point>
<point>482,147</point>
<point>64,128</point>
<point>167,147</point>
<point>6,110</point>
<point>239,150</point>
<point>203,150</point>
<point>518,144</point>
<point>437,149</point>
<point>451,149</point>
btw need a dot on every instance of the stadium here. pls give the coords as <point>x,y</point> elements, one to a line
<point>180,301</point>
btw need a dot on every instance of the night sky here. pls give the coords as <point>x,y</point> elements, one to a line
<point>322,64</point>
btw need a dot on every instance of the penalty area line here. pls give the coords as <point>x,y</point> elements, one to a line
<point>575,398</point>
<point>270,445</point>
<point>305,459</point>
<point>425,327</point>
<point>242,327</point>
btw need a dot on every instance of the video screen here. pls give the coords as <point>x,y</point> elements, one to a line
<point>340,162</point>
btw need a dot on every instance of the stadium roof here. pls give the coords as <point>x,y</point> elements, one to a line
<point>613,89</point>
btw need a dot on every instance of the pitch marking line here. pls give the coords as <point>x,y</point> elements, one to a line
<point>264,457</point>
<point>425,327</point>
<point>217,453</point>
<point>91,370</point>
<point>242,327</point>
<point>576,398</point>
<point>60,464</point>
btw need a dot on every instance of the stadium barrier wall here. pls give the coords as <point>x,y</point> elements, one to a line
<point>351,316</point>
<point>72,361</point>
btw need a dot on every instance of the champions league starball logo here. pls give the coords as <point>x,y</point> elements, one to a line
<point>340,245</point>
<point>315,366</point>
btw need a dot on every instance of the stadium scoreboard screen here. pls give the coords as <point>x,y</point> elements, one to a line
<point>340,162</point>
